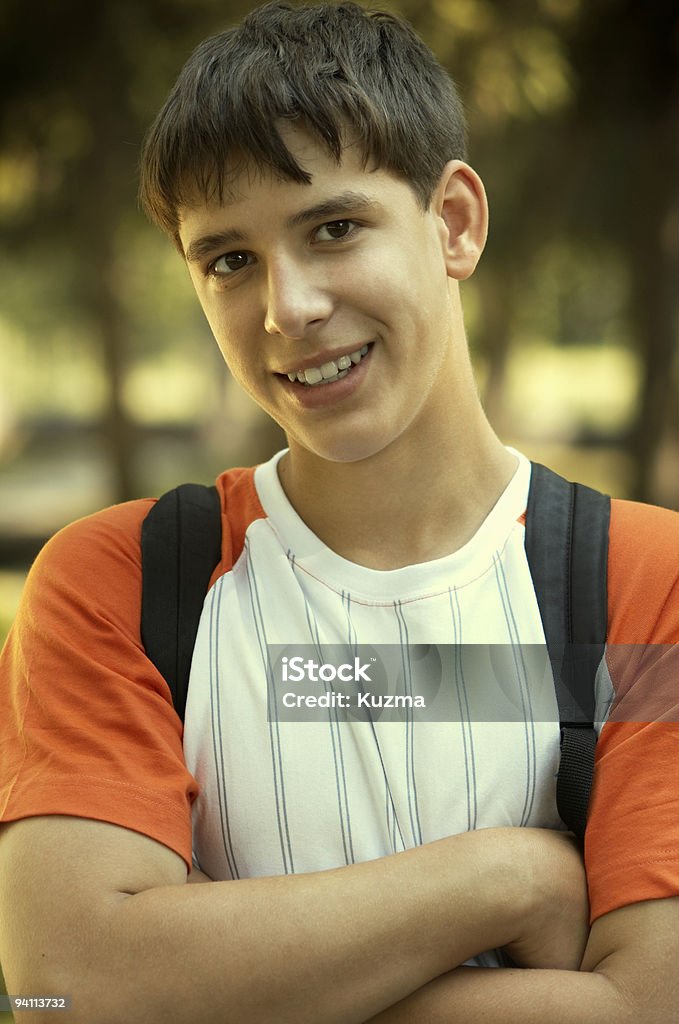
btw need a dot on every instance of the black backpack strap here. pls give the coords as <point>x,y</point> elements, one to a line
<point>181,542</point>
<point>567,549</point>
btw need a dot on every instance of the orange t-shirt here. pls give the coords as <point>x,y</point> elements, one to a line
<point>87,726</point>
<point>632,837</point>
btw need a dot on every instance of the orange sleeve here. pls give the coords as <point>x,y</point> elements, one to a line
<point>87,726</point>
<point>632,838</point>
<point>237,493</point>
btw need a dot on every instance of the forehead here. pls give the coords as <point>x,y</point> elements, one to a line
<point>256,197</point>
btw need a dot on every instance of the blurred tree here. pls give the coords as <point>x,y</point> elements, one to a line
<point>624,131</point>
<point>79,84</point>
<point>510,63</point>
<point>575,129</point>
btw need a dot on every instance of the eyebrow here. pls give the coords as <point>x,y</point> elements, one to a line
<point>344,203</point>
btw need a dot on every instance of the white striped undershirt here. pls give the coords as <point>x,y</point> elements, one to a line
<point>290,797</point>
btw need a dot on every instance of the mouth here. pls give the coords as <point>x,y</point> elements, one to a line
<point>333,370</point>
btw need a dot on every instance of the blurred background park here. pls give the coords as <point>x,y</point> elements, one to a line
<point>110,384</point>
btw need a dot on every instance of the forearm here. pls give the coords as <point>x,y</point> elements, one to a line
<point>338,946</point>
<point>471,995</point>
<point>335,946</point>
<point>627,976</point>
<point>129,940</point>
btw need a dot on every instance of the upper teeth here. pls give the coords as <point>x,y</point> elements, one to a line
<point>330,371</point>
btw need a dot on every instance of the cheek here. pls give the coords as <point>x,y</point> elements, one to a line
<point>242,354</point>
<point>231,335</point>
<point>220,310</point>
<point>228,329</point>
<point>233,356</point>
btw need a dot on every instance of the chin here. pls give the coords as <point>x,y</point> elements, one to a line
<point>348,450</point>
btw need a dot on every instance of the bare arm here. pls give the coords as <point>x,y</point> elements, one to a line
<point>628,976</point>
<point>128,940</point>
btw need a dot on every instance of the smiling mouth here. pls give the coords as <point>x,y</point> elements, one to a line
<point>331,371</point>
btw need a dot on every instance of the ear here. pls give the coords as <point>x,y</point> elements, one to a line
<point>462,208</point>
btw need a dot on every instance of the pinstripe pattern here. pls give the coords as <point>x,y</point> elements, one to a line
<point>274,727</point>
<point>281,797</point>
<point>392,824</point>
<point>214,600</point>
<point>336,737</point>
<point>519,662</point>
<point>352,635</point>
<point>463,707</point>
<point>411,782</point>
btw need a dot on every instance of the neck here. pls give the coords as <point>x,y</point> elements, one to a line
<point>410,502</point>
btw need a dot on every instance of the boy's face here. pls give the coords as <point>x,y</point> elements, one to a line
<point>296,277</point>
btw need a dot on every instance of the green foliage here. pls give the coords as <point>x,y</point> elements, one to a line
<point>11,585</point>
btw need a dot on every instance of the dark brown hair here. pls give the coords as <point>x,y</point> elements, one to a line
<point>338,68</point>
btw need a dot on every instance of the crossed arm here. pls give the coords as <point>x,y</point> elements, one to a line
<point>381,941</point>
<point>628,976</point>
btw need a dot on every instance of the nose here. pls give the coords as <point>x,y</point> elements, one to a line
<point>298,298</point>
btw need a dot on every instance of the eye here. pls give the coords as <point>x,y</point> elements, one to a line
<point>335,230</point>
<point>229,263</point>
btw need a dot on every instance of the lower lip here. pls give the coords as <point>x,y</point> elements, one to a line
<point>316,397</point>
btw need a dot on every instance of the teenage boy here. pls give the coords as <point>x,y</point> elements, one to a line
<point>309,166</point>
